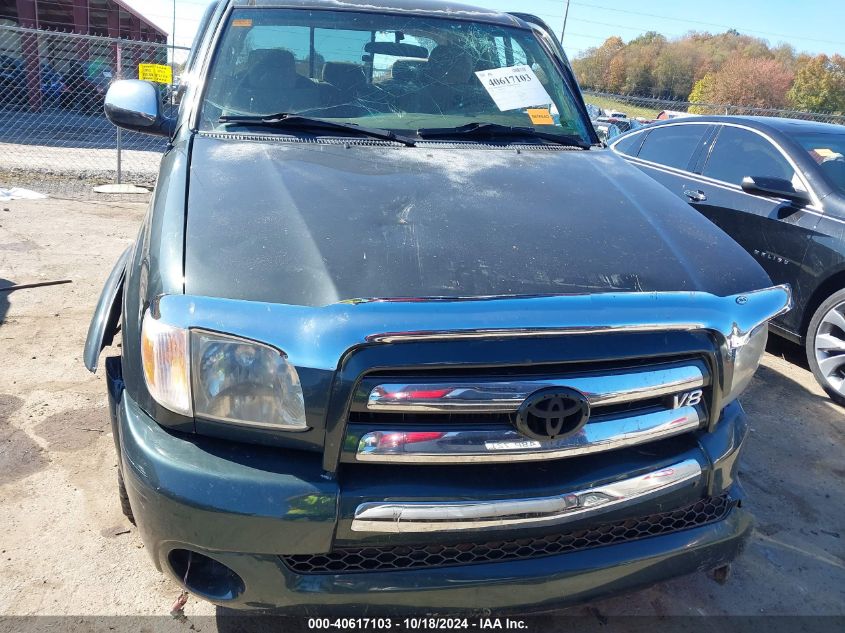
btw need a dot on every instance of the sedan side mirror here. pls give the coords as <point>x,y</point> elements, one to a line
<point>777,187</point>
<point>135,105</point>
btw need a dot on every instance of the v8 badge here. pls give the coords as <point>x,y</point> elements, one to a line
<point>687,399</point>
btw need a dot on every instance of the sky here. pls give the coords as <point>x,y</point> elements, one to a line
<point>814,26</point>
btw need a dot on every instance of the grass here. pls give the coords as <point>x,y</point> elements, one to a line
<point>621,106</point>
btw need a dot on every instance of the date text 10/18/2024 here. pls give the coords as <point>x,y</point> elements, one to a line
<point>416,624</point>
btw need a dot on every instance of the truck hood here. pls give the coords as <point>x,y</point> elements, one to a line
<point>312,224</point>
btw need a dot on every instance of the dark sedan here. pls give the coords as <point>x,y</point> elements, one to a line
<point>777,186</point>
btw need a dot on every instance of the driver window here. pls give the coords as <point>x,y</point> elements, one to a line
<point>738,153</point>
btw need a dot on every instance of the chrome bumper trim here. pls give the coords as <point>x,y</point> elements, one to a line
<point>470,446</point>
<point>498,396</point>
<point>422,516</point>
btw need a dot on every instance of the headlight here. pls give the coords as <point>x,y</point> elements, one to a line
<point>220,377</point>
<point>244,382</point>
<point>747,352</point>
<point>167,372</point>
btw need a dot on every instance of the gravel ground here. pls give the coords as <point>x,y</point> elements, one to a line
<point>72,163</point>
<point>67,550</point>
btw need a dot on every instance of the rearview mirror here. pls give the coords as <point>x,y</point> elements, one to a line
<point>396,49</point>
<point>777,187</point>
<point>135,105</point>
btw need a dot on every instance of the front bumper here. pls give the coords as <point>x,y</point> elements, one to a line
<point>244,506</point>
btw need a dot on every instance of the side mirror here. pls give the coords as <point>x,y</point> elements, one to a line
<point>135,105</point>
<point>777,187</point>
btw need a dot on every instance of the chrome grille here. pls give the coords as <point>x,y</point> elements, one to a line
<point>493,396</point>
<point>404,557</point>
<point>464,418</point>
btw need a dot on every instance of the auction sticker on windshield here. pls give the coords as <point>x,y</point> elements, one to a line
<point>514,87</point>
<point>540,116</point>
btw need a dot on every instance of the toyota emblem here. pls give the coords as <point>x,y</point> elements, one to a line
<point>553,413</point>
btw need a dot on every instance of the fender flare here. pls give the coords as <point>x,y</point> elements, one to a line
<point>106,319</point>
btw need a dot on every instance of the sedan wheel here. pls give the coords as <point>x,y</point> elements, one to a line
<point>826,346</point>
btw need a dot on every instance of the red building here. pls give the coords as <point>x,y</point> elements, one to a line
<point>111,18</point>
<point>107,18</point>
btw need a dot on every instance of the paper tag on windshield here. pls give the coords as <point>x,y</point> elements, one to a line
<point>540,116</point>
<point>514,87</point>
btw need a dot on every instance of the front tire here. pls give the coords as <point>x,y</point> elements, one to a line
<point>825,346</point>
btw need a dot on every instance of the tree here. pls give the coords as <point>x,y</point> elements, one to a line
<point>640,55</point>
<point>819,84</point>
<point>785,54</point>
<point>675,69</point>
<point>591,68</point>
<point>727,68</point>
<point>701,92</point>
<point>751,82</point>
<point>615,76</point>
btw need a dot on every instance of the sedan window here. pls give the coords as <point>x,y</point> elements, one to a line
<point>630,144</point>
<point>738,153</point>
<point>673,145</point>
<point>828,150</point>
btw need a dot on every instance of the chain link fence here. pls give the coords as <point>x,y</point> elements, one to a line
<point>650,109</point>
<point>54,137</point>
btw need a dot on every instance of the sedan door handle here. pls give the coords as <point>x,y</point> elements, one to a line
<point>696,195</point>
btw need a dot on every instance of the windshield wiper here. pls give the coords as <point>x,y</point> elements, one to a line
<point>494,130</point>
<point>286,120</point>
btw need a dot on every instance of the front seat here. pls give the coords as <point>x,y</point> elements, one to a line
<point>271,84</point>
<point>348,80</point>
<point>447,81</point>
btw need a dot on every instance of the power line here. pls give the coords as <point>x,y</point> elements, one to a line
<point>621,26</point>
<point>699,22</point>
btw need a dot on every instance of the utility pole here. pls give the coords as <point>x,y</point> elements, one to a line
<point>173,63</point>
<point>565,15</point>
<point>173,37</point>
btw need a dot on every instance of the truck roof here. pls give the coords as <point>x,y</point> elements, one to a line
<point>434,8</point>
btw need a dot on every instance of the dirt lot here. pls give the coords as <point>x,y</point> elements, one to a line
<point>66,548</point>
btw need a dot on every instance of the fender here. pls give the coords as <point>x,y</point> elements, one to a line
<point>104,324</point>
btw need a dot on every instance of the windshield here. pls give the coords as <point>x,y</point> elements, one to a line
<point>828,150</point>
<point>400,73</point>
